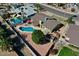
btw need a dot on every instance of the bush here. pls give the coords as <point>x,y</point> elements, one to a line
<point>73,10</point>
<point>61,4</point>
<point>70,21</point>
<point>49,3</point>
<point>37,36</point>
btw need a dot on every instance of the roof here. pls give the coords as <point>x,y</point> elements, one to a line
<point>73,34</point>
<point>51,24</point>
<point>38,17</point>
<point>27,10</point>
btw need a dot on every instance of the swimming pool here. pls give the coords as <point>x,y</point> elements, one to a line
<point>27,29</point>
<point>17,21</point>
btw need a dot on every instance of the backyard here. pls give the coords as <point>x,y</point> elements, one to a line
<point>65,51</point>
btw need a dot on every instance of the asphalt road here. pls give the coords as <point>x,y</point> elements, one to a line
<point>56,11</point>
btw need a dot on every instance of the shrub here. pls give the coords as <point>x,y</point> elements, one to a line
<point>70,21</point>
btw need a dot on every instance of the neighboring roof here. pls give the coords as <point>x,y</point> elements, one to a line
<point>73,34</point>
<point>51,24</point>
<point>27,10</point>
<point>38,17</point>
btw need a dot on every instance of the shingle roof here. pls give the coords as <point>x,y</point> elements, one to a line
<point>73,34</point>
<point>38,17</point>
<point>51,24</point>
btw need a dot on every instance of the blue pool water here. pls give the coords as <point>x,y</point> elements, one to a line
<point>17,21</point>
<point>27,29</point>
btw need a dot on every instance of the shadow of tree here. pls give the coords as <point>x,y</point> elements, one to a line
<point>46,39</point>
<point>44,42</point>
<point>16,42</point>
<point>17,45</point>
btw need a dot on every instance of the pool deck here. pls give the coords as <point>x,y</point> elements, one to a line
<point>41,49</point>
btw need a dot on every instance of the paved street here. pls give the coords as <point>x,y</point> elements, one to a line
<point>56,11</point>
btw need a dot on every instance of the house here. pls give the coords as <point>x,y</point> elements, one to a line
<point>26,10</point>
<point>73,34</point>
<point>48,22</point>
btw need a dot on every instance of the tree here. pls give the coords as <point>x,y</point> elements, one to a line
<point>73,10</point>
<point>37,36</point>
<point>5,16</point>
<point>38,8</point>
<point>4,42</point>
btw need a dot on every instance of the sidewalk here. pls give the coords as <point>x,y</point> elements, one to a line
<point>73,48</point>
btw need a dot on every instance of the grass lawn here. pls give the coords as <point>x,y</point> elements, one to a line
<point>68,52</point>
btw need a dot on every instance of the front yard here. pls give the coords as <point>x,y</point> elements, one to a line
<point>65,51</point>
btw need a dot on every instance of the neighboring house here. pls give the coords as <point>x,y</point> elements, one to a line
<point>73,34</point>
<point>26,10</point>
<point>70,5</point>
